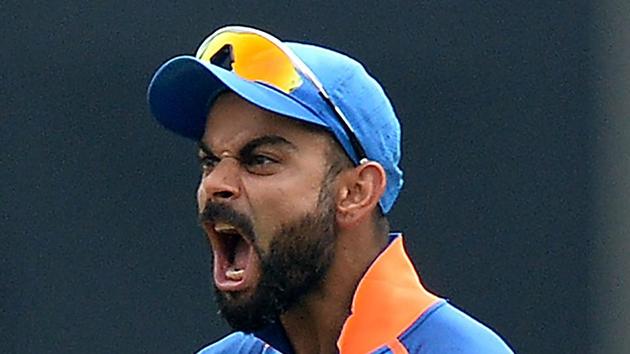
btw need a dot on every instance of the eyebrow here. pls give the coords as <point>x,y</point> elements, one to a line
<point>272,140</point>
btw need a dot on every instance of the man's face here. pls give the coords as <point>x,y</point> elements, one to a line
<point>266,202</point>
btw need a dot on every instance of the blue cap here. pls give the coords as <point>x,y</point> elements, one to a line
<point>182,89</point>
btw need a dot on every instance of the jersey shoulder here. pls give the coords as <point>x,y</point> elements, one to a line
<point>239,343</point>
<point>446,329</point>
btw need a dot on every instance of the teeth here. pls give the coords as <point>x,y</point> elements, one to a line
<point>224,228</point>
<point>235,274</point>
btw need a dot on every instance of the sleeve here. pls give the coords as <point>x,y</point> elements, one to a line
<point>446,329</point>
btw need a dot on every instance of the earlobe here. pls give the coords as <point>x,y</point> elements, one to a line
<point>359,192</point>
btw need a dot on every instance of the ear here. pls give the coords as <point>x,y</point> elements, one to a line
<point>360,190</point>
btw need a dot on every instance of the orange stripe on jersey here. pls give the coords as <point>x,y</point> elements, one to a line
<point>396,347</point>
<point>388,300</point>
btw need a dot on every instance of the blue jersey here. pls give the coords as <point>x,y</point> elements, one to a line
<point>391,313</point>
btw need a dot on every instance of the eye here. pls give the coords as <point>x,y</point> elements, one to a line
<point>260,164</point>
<point>207,163</point>
<point>261,160</point>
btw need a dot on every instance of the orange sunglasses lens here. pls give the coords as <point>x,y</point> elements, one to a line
<point>255,58</point>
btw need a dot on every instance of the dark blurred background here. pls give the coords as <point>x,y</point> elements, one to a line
<point>516,138</point>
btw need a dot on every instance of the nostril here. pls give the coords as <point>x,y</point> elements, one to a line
<point>224,194</point>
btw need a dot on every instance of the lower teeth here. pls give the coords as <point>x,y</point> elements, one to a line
<point>235,274</point>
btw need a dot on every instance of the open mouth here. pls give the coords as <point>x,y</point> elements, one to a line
<point>234,257</point>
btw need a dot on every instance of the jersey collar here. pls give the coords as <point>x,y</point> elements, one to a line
<point>388,299</point>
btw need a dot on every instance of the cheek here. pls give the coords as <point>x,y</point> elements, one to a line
<point>282,203</point>
<point>292,199</point>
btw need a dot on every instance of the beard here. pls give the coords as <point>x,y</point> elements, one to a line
<point>299,257</point>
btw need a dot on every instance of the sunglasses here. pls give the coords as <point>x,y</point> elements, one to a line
<point>258,56</point>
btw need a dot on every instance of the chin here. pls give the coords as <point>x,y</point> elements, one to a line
<point>246,311</point>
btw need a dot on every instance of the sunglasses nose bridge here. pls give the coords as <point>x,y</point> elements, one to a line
<point>224,57</point>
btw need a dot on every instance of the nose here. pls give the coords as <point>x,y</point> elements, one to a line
<point>223,182</point>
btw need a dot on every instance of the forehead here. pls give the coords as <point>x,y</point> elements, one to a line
<point>232,120</point>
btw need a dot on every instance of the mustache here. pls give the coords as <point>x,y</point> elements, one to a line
<point>217,212</point>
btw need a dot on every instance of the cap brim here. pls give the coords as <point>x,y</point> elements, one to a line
<point>182,90</point>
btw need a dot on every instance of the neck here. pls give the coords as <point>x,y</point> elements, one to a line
<point>314,325</point>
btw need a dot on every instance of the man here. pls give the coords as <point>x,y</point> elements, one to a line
<point>299,150</point>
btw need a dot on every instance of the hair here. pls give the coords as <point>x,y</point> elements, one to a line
<point>338,160</point>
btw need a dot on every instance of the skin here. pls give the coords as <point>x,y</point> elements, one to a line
<point>282,182</point>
